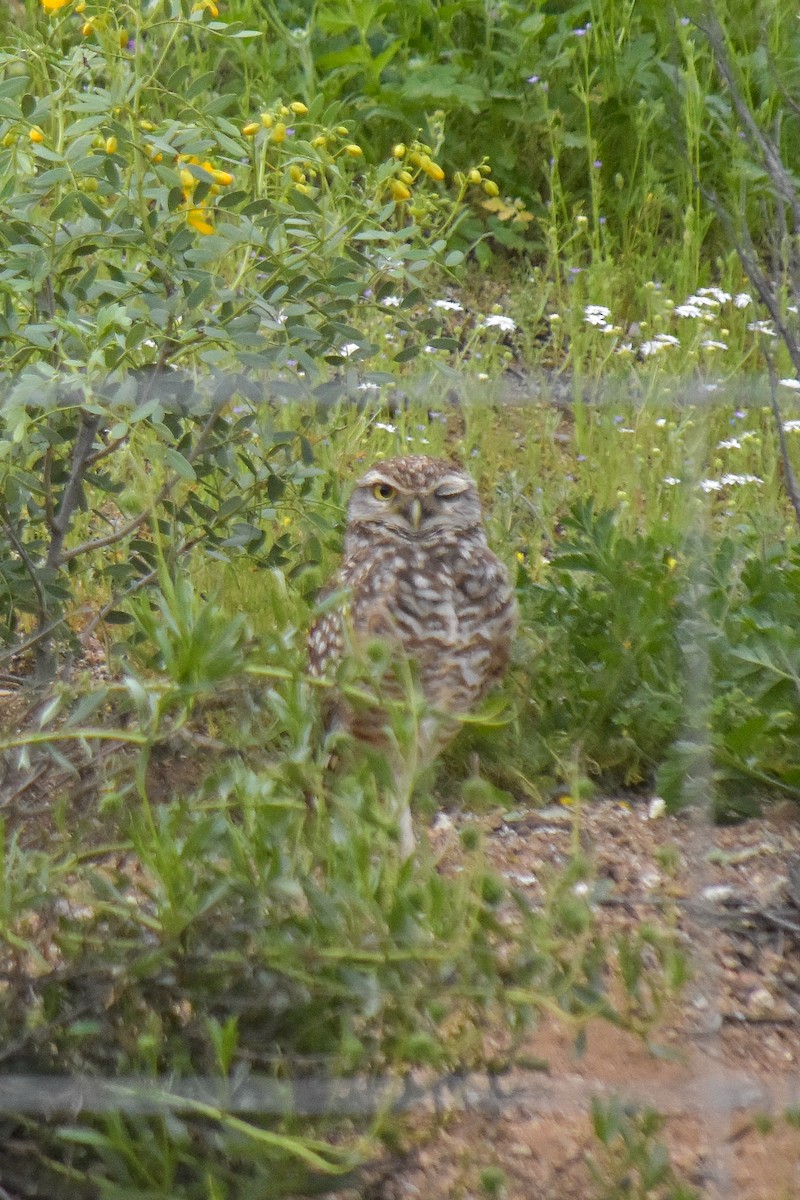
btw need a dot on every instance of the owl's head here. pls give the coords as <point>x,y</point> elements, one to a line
<point>416,497</point>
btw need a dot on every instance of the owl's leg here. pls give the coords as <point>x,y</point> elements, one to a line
<point>405,827</point>
<point>402,787</point>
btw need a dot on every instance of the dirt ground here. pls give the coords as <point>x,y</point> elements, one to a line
<point>728,1073</point>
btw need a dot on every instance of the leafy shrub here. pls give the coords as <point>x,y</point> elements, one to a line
<point>158,255</point>
<point>604,656</point>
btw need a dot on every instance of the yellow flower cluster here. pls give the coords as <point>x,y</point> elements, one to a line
<point>275,121</point>
<point>200,217</point>
<point>417,156</point>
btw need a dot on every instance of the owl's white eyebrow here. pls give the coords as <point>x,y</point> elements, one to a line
<point>451,487</point>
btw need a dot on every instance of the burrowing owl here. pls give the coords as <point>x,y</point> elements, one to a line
<point>420,577</point>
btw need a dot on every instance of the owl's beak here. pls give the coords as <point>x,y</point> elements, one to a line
<point>415,513</point>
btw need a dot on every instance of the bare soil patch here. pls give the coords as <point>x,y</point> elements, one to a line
<point>731,1073</point>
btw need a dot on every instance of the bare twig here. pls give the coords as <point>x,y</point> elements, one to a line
<point>765,146</point>
<point>84,441</point>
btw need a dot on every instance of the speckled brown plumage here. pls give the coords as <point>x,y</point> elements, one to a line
<point>421,577</point>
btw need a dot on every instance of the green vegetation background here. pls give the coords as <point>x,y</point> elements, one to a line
<point>245,249</point>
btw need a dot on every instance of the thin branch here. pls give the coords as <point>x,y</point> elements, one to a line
<point>109,539</point>
<point>69,500</point>
<point>769,151</point>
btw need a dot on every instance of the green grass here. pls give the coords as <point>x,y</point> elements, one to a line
<point>218,305</point>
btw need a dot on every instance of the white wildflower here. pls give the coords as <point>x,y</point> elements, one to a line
<point>671,480</point>
<point>729,444</point>
<point>661,422</point>
<point>497,321</point>
<point>448,305</point>
<point>392,301</point>
<point>742,300</point>
<point>715,293</point>
<point>710,485</point>
<point>739,480</point>
<point>710,344</point>
<point>791,426</point>
<point>368,386</point>
<point>596,314</point>
<point>349,348</point>
<point>386,426</point>
<point>762,327</point>
<point>688,310</point>
<point>660,342</point>
<point>794,384</point>
<point>703,300</point>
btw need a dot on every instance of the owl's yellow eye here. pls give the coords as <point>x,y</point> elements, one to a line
<point>384,491</point>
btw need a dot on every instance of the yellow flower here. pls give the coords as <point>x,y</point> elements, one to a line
<point>405,177</point>
<point>474,176</point>
<point>490,187</point>
<point>279,133</point>
<point>432,170</point>
<point>251,128</point>
<point>54,5</point>
<point>399,190</point>
<point>297,174</point>
<point>88,29</point>
<point>320,142</point>
<point>111,145</point>
<point>399,151</point>
<point>298,107</point>
<point>342,130</point>
<point>198,218</point>
<point>353,150</point>
<point>267,120</point>
<point>188,181</point>
<point>222,177</point>
<point>35,134</point>
<point>209,4</point>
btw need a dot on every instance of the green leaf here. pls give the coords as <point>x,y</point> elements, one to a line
<point>174,459</point>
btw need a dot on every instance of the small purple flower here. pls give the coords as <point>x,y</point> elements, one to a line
<point>685,21</point>
<point>290,131</point>
<point>597,164</point>
<point>583,30</point>
<point>580,458</point>
<point>533,79</point>
<point>131,45</point>
<point>601,220</point>
<point>618,420</point>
